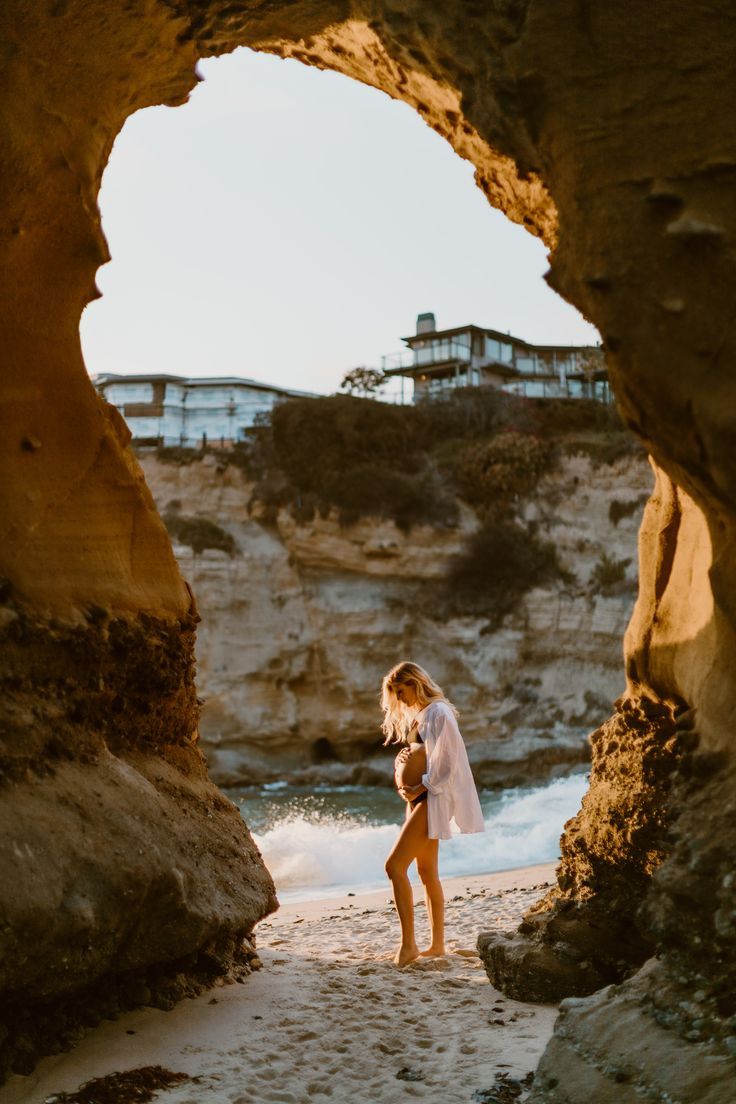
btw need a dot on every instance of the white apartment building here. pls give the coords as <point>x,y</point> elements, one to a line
<point>177,410</point>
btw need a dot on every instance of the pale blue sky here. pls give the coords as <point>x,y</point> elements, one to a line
<point>288,224</point>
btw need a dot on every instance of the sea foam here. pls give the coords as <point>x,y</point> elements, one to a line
<point>323,855</point>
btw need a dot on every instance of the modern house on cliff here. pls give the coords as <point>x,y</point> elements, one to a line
<point>470,356</point>
<point>176,410</point>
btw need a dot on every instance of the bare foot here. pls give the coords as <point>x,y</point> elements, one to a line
<point>405,955</point>
<point>433,952</point>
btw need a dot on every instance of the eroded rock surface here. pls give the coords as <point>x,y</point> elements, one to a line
<point>584,934</point>
<point>126,875</point>
<point>607,130</point>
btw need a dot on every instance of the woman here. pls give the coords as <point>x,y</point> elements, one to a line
<point>413,704</point>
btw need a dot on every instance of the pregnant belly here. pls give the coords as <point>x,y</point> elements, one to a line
<point>408,772</point>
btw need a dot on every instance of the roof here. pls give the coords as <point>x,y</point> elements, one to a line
<point>104,379</point>
<point>463,329</point>
<point>497,334</point>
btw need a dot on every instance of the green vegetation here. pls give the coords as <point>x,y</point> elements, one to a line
<point>618,509</point>
<point>414,465</point>
<point>411,463</point>
<point>495,473</point>
<point>501,562</point>
<point>609,574</point>
<point>363,381</point>
<point>604,448</point>
<point>199,533</point>
<point>177,454</point>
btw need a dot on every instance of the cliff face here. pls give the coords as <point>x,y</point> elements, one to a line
<point>301,622</point>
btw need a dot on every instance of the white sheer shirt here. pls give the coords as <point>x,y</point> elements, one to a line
<point>451,792</point>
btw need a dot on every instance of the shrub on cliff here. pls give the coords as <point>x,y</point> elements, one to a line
<point>316,439</point>
<point>603,448</point>
<point>178,454</point>
<point>366,458</point>
<point>494,474</point>
<point>609,575</point>
<point>376,491</point>
<point>556,417</point>
<point>619,509</point>
<point>501,562</point>
<point>468,413</point>
<point>199,533</point>
<point>410,463</point>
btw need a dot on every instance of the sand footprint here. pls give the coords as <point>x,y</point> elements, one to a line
<point>265,1075</point>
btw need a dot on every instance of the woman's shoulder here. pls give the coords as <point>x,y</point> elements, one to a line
<point>437,709</point>
<point>441,706</point>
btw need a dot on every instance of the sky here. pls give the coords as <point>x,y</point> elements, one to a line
<point>289,224</point>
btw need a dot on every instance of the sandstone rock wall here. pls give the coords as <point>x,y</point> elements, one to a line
<point>121,865</point>
<point>300,624</point>
<point>607,130</point>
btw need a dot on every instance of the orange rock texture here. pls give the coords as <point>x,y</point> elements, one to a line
<point>605,129</point>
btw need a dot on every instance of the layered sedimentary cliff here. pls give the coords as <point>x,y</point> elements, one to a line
<point>301,620</point>
<point>605,129</point>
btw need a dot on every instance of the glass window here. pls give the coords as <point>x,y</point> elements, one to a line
<point>434,352</point>
<point>534,390</point>
<point>499,350</point>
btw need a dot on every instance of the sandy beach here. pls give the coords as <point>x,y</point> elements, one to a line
<point>329,1017</point>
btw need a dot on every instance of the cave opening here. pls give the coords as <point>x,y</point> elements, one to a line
<point>216,288</point>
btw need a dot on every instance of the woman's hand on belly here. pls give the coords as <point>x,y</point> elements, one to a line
<point>410,792</point>
<point>409,767</point>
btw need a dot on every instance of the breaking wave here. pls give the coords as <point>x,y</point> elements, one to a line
<point>325,847</point>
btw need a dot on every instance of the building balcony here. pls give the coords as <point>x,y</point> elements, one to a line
<point>397,363</point>
<point>435,352</point>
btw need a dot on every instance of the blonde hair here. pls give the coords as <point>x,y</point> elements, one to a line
<point>397,717</point>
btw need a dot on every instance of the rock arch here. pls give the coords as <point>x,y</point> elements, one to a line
<point>603,129</point>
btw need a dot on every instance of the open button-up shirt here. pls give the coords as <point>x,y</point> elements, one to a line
<point>449,781</point>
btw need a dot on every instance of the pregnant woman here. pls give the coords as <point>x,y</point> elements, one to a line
<point>433,776</point>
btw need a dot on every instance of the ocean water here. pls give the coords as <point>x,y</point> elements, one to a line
<point>333,840</point>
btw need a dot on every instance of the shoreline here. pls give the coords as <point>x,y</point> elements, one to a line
<point>329,1017</point>
<point>317,906</point>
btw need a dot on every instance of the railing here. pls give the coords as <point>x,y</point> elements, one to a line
<point>435,352</point>
<point>438,386</point>
<point>439,351</point>
<point>391,361</point>
<point>565,389</point>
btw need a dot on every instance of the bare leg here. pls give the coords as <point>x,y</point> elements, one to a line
<point>435,898</point>
<point>408,846</point>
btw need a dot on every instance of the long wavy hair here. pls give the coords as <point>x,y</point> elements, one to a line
<point>397,717</point>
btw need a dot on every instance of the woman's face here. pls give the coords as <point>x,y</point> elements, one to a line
<point>406,694</point>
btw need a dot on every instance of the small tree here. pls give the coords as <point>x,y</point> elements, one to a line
<point>363,381</point>
<point>592,360</point>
